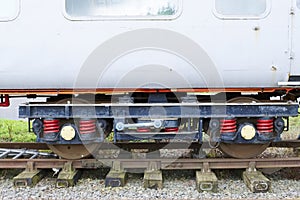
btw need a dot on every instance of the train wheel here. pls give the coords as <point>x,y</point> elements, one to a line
<point>73,151</point>
<point>243,150</point>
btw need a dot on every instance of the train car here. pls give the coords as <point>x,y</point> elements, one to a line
<point>155,70</point>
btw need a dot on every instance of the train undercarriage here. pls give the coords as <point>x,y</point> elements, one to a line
<point>241,126</point>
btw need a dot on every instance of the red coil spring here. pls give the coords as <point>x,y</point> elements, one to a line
<point>228,126</point>
<point>87,126</point>
<point>143,129</point>
<point>265,125</point>
<point>51,126</point>
<point>172,129</point>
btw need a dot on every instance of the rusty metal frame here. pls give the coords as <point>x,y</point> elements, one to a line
<point>141,145</point>
<point>165,164</point>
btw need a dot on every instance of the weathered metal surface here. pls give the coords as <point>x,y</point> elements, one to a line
<point>286,143</point>
<point>206,181</point>
<point>169,110</point>
<point>24,145</point>
<point>141,145</point>
<point>243,150</point>
<point>297,150</point>
<point>73,151</point>
<point>29,177</point>
<point>256,181</point>
<point>116,176</point>
<point>153,179</point>
<point>153,176</point>
<point>164,163</point>
<point>134,136</point>
<point>52,91</point>
<point>68,176</point>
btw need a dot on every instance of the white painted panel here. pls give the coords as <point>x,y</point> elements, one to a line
<point>9,9</point>
<point>43,49</point>
<point>296,40</point>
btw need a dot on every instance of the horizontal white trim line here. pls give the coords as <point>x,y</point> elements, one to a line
<point>291,83</point>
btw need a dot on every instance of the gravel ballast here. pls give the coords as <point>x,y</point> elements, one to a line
<point>177,185</point>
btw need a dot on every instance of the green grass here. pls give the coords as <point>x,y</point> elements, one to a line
<point>294,129</point>
<point>15,131</point>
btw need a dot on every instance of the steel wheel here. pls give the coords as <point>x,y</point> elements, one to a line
<point>73,151</point>
<point>243,150</point>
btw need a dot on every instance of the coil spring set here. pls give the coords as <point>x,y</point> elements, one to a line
<point>51,126</point>
<point>87,126</point>
<point>172,129</point>
<point>228,126</point>
<point>265,125</point>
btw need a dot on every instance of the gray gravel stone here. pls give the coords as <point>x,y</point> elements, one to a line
<point>177,185</point>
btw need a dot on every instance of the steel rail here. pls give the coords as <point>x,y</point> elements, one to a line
<point>141,145</point>
<point>24,145</point>
<point>165,164</point>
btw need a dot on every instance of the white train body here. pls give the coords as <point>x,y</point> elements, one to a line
<point>48,44</point>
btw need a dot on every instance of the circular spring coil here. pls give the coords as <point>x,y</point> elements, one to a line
<point>265,125</point>
<point>172,129</point>
<point>143,129</point>
<point>51,126</point>
<point>87,126</point>
<point>228,126</point>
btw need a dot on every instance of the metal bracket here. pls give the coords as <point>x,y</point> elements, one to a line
<point>255,180</point>
<point>252,167</point>
<point>68,167</point>
<point>30,167</point>
<point>117,166</point>
<point>153,166</point>
<point>206,180</point>
<point>153,176</point>
<point>205,168</point>
<point>120,126</point>
<point>68,176</point>
<point>94,164</point>
<point>29,177</point>
<point>116,176</point>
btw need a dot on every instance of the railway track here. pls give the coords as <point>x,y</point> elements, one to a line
<point>141,145</point>
<point>164,164</point>
<point>205,178</point>
<point>152,168</point>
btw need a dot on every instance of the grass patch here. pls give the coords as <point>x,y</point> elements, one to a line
<point>294,129</point>
<point>15,131</point>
